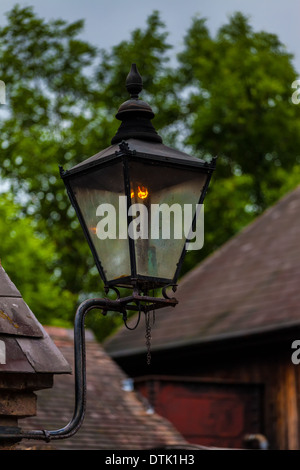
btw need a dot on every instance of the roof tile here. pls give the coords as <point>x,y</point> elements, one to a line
<point>250,284</point>
<point>28,347</point>
<point>7,287</point>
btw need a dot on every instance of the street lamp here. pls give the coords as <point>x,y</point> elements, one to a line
<point>131,200</point>
<point>121,194</point>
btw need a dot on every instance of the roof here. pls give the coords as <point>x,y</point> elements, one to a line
<point>150,149</point>
<point>115,418</point>
<point>28,348</point>
<point>248,286</point>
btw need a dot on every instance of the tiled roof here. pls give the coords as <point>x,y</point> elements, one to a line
<point>115,419</point>
<point>28,347</point>
<point>248,286</point>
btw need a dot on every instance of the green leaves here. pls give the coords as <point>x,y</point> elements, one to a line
<point>240,105</point>
<point>29,260</point>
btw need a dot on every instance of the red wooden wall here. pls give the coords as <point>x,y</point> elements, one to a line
<point>209,414</point>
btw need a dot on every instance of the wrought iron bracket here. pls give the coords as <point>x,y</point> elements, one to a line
<point>136,301</point>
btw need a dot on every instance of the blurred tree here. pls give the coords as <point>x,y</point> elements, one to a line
<point>239,105</point>
<point>28,258</point>
<point>43,67</point>
<point>147,48</point>
<point>235,93</point>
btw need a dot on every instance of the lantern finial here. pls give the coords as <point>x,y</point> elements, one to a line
<point>134,82</point>
<point>135,114</point>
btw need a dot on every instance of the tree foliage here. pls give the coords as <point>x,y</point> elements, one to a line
<point>228,95</point>
<point>28,258</point>
<point>236,90</point>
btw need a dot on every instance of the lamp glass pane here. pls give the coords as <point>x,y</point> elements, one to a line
<point>101,199</point>
<point>161,226</point>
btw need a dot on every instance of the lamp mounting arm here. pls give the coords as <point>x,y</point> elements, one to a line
<point>137,302</point>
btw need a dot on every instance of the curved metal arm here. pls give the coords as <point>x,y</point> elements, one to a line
<point>118,305</point>
<point>80,379</point>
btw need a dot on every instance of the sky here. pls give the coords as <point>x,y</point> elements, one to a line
<point>107,22</point>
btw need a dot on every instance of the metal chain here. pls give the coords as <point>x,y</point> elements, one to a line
<point>153,311</point>
<point>148,332</point>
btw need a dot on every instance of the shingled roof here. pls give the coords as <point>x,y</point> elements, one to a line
<point>249,286</point>
<point>29,348</point>
<point>115,419</point>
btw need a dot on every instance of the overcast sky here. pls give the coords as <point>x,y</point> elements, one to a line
<point>108,22</point>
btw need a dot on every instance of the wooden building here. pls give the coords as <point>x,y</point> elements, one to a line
<point>222,369</point>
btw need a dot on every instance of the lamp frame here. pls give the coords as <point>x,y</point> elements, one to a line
<point>125,155</point>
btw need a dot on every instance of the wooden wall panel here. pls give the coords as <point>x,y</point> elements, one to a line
<point>269,367</point>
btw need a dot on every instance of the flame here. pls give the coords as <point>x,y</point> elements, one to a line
<point>131,193</point>
<point>142,192</point>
